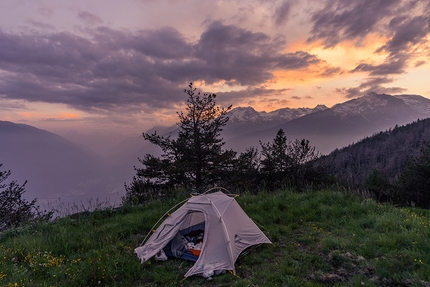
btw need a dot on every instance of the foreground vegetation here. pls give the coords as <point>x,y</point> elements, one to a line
<point>319,238</point>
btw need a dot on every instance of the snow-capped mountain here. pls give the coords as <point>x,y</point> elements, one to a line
<point>382,105</point>
<point>341,125</point>
<point>249,115</point>
<point>418,103</point>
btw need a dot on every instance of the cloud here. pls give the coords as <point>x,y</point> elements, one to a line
<point>331,72</point>
<point>255,92</point>
<point>342,20</point>
<point>390,66</point>
<point>9,105</point>
<point>89,18</point>
<point>372,84</point>
<point>407,32</point>
<point>402,25</point>
<point>419,63</point>
<point>41,25</point>
<point>282,13</point>
<point>110,69</point>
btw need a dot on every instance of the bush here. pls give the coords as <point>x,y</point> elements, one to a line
<point>14,209</point>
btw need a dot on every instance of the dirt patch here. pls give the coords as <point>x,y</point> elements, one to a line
<point>343,267</point>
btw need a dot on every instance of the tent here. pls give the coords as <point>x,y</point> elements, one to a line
<point>210,229</point>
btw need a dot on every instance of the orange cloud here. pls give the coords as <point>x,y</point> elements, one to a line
<point>68,116</point>
<point>27,114</point>
<point>58,116</point>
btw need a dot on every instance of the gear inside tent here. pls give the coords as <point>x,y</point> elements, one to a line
<point>210,229</point>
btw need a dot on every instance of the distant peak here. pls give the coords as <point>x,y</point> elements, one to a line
<point>320,107</point>
<point>243,109</point>
<point>372,94</point>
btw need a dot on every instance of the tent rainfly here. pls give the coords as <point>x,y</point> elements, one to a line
<point>210,229</point>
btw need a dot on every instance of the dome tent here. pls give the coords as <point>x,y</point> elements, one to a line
<point>226,231</point>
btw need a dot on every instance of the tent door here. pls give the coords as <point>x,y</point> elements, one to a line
<point>188,241</point>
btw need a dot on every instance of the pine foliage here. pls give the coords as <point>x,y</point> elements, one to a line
<point>194,159</point>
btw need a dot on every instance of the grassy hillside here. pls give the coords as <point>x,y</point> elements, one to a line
<point>320,239</point>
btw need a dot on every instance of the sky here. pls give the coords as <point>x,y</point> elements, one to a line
<point>107,65</point>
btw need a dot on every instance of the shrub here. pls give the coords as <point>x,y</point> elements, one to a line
<point>14,209</point>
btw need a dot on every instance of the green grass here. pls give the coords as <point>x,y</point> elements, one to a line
<point>322,238</point>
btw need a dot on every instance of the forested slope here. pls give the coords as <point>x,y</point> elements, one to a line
<point>387,151</point>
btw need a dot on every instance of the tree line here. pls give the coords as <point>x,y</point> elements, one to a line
<point>196,158</point>
<point>388,164</point>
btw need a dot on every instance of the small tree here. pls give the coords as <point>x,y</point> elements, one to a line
<point>195,158</point>
<point>413,185</point>
<point>378,185</point>
<point>288,162</point>
<point>302,168</point>
<point>14,209</point>
<point>276,161</point>
<point>246,173</point>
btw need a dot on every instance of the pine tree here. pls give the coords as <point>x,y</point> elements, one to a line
<point>195,159</point>
<point>286,162</point>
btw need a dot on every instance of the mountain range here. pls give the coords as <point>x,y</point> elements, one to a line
<point>329,128</point>
<point>56,167</point>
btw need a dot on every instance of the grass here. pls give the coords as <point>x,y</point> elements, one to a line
<point>322,238</point>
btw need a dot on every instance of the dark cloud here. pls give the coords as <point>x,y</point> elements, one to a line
<point>390,66</point>
<point>395,20</point>
<point>11,105</point>
<point>349,92</point>
<point>64,68</point>
<point>372,84</point>
<point>419,63</point>
<point>296,60</point>
<point>349,20</point>
<point>62,120</point>
<point>165,43</point>
<point>110,69</point>
<point>407,32</point>
<point>250,93</point>
<point>282,13</point>
<point>331,72</point>
<point>244,57</point>
<point>89,18</point>
<point>41,25</point>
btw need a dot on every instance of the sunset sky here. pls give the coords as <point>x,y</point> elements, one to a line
<point>123,65</point>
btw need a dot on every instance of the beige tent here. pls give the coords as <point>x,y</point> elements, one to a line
<point>210,229</point>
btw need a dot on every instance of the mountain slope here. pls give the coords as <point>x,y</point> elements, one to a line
<point>54,167</point>
<point>387,151</point>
